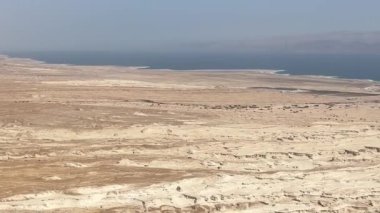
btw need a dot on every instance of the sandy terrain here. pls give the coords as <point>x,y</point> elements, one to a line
<point>113,139</point>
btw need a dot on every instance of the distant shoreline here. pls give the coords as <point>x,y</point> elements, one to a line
<point>258,70</point>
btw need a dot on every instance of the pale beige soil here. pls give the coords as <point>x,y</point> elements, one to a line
<point>113,139</point>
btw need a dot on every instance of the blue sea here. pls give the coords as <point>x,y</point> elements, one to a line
<point>343,66</point>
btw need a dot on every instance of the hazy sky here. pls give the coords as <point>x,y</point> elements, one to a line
<point>173,25</point>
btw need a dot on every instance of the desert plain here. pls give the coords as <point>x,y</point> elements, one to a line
<point>130,139</point>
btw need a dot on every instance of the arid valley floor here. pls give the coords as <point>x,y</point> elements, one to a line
<point>114,139</point>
